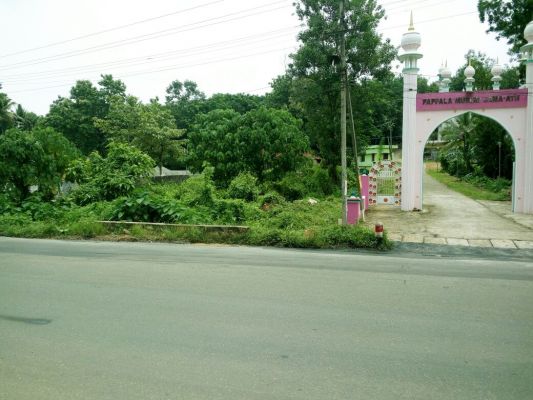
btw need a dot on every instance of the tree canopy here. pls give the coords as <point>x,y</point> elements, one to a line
<point>507,19</point>
<point>315,78</point>
<point>38,158</point>
<point>149,127</point>
<point>74,116</point>
<point>265,142</point>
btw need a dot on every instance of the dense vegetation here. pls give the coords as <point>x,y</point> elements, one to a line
<point>254,156</point>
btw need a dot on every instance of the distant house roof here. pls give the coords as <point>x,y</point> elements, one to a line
<point>170,172</point>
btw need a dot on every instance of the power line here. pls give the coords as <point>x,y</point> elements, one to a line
<point>149,36</point>
<point>225,59</point>
<point>110,29</point>
<point>429,20</point>
<point>403,7</point>
<point>153,58</point>
<point>166,68</point>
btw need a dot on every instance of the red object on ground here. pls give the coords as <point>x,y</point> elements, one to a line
<point>378,230</point>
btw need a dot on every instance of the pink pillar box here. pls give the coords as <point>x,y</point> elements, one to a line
<point>354,210</point>
<point>363,179</point>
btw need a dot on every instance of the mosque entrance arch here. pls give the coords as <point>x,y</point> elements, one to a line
<point>470,143</point>
<point>423,113</point>
<point>506,107</point>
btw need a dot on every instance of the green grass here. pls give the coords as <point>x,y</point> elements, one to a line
<point>468,189</point>
<point>295,224</point>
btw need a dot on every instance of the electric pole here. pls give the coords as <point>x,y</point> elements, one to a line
<point>343,114</point>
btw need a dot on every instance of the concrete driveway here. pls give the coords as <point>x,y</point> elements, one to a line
<point>451,218</point>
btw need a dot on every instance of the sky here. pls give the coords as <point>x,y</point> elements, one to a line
<point>225,46</point>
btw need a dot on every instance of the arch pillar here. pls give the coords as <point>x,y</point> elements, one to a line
<point>411,181</point>
<point>527,51</point>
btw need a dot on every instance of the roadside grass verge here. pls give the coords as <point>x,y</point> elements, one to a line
<point>296,225</point>
<point>468,188</point>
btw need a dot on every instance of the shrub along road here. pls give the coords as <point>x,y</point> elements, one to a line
<point>92,320</point>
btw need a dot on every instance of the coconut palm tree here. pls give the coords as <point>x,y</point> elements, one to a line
<point>458,155</point>
<point>6,116</point>
<point>24,120</point>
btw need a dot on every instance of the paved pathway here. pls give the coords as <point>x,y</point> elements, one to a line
<point>452,218</point>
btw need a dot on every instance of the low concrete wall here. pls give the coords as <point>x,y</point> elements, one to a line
<point>207,228</point>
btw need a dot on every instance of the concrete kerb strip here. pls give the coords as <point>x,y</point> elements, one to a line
<point>487,243</point>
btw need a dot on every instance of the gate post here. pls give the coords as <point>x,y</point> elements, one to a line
<point>411,174</point>
<point>527,52</point>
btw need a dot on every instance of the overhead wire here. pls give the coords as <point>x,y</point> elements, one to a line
<point>157,57</point>
<point>166,68</point>
<point>149,36</point>
<point>125,74</point>
<point>129,25</point>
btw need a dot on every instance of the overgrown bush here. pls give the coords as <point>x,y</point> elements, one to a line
<point>198,190</point>
<point>147,207</point>
<point>6,204</point>
<point>244,186</point>
<point>494,185</point>
<point>108,178</point>
<point>230,211</point>
<point>319,182</point>
<point>270,199</point>
<point>311,180</point>
<point>292,186</point>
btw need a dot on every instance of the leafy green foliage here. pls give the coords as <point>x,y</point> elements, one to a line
<point>38,158</point>
<point>6,116</point>
<point>483,64</point>
<point>476,145</point>
<point>309,181</point>
<point>265,142</point>
<point>148,127</point>
<point>184,100</point>
<point>198,190</point>
<point>244,186</point>
<point>240,102</point>
<point>508,19</point>
<point>316,77</point>
<point>108,178</point>
<point>25,120</point>
<point>74,116</point>
<point>147,207</point>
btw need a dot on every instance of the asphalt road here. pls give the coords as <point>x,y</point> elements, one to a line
<point>91,320</point>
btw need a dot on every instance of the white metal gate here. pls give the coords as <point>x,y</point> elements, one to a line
<point>385,183</point>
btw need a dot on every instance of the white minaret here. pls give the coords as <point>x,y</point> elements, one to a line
<point>496,72</point>
<point>527,52</point>
<point>411,41</point>
<point>469,74</point>
<point>445,74</point>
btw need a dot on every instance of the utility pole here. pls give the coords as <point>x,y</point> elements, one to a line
<point>343,113</point>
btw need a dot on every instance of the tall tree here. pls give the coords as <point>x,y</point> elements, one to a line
<point>6,116</point>
<point>316,89</point>
<point>266,142</point>
<point>184,100</point>
<point>507,19</point>
<point>458,155</point>
<point>149,127</point>
<point>25,120</point>
<point>38,158</point>
<point>74,116</point>
<point>483,64</point>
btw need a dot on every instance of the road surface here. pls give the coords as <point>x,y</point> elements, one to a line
<point>91,320</point>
